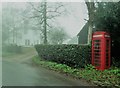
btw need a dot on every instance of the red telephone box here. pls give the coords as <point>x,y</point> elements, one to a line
<point>101,44</point>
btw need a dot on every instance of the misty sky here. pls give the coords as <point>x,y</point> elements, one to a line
<point>73,21</point>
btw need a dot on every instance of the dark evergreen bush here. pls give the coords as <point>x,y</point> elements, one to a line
<point>71,55</point>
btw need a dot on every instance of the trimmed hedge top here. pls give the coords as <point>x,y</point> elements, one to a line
<point>71,55</point>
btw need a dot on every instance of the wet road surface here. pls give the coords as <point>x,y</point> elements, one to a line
<point>25,73</point>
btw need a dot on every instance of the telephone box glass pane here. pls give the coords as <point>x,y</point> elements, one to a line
<point>107,52</point>
<point>97,51</point>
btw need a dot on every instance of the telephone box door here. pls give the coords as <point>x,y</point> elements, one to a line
<point>97,53</point>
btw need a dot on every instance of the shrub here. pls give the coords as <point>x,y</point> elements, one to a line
<point>109,77</point>
<point>12,48</point>
<point>71,55</point>
<point>105,79</point>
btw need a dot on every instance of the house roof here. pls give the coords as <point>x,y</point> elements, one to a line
<point>83,35</point>
<point>84,30</point>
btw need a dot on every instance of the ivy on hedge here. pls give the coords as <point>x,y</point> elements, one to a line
<point>71,55</point>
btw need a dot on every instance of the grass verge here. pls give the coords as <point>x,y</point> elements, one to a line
<point>24,50</point>
<point>108,78</point>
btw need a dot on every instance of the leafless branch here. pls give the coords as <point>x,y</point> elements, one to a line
<point>41,22</point>
<point>34,16</point>
<point>56,9</point>
<point>85,19</point>
<point>52,17</point>
<point>49,26</point>
<point>35,8</point>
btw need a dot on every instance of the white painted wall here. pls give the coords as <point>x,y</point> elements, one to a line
<point>31,35</point>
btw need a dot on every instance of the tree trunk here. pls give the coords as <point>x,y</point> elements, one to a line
<point>45,23</point>
<point>13,37</point>
<point>16,35</point>
<point>8,37</point>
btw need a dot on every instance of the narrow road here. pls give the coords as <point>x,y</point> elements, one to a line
<point>20,71</point>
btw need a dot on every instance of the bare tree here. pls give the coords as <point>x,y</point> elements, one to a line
<point>57,35</point>
<point>44,13</point>
<point>10,23</point>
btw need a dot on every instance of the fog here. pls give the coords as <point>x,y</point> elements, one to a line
<point>21,21</point>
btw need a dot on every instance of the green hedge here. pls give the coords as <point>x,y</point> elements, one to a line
<point>71,55</point>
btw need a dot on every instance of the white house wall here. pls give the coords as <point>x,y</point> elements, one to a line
<point>31,35</point>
